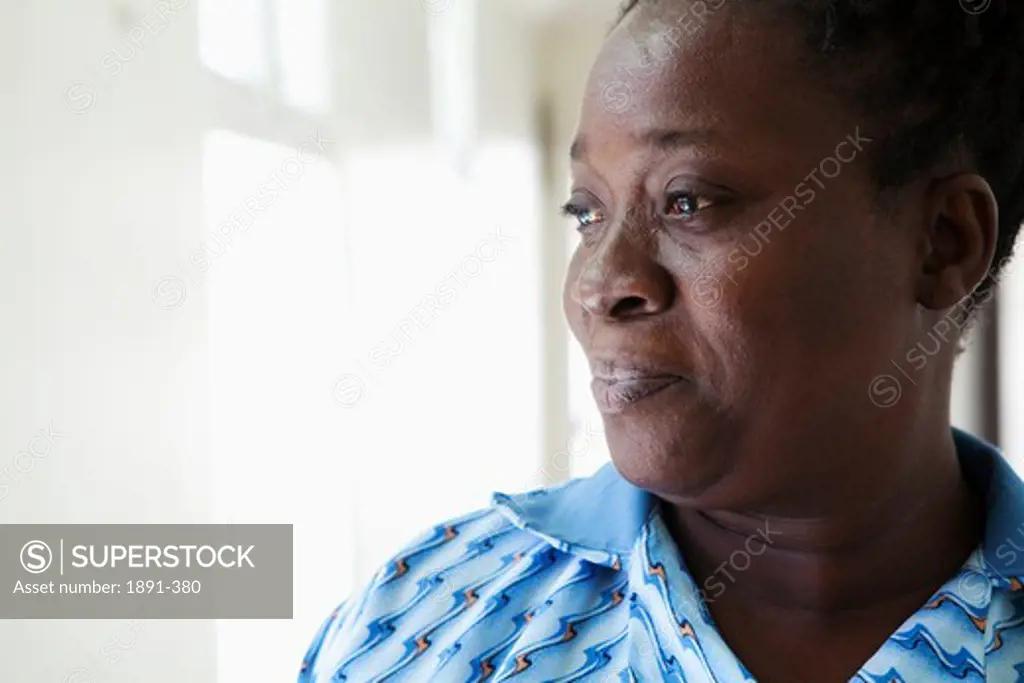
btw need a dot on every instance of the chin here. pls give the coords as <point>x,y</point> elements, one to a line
<point>677,455</point>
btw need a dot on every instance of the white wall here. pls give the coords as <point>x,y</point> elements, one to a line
<point>91,206</point>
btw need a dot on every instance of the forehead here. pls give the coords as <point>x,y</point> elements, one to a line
<point>743,73</point>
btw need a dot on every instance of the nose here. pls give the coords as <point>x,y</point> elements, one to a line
<point>619,281</point>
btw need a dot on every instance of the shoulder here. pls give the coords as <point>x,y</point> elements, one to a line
<point>429,585</point>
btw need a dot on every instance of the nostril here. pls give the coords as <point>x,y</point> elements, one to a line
<point>629,306</point>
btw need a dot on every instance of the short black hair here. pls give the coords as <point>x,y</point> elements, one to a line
<point>939,77</point>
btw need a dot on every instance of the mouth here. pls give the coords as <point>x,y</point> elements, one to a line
<point>618,390</point>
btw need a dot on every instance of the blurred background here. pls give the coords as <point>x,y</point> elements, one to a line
<point>298,261</point>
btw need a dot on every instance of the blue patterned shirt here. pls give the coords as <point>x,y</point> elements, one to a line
<point>583,583</point>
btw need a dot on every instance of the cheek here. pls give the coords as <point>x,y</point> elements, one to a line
<point>720,337</point>
<point>801,308</point>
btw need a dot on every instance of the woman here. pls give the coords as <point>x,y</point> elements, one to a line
<point>779,201</point>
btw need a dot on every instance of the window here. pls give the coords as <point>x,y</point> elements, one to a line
<point>269,276</point>
<point>271,264</point>
<point>1011,365</point>
<point>278,47</point>
<point>445,253</point>
<point>233,40</point>
<point>302,52</point>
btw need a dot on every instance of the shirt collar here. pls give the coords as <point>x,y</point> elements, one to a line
<point>600,517</point>
<point>994,478</point>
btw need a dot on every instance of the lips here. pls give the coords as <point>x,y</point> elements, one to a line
<point>616,388</point>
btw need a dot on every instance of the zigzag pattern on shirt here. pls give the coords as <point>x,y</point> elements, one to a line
<point>478,599</point>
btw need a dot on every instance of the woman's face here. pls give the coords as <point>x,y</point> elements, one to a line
<point>735,289</point>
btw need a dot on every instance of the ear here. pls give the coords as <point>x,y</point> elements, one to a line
<point>959,243</point>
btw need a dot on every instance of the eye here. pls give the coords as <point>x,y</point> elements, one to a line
<point>685,204</point>
<point>585,216</point>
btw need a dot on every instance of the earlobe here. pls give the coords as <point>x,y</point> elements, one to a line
<point>960,241</point>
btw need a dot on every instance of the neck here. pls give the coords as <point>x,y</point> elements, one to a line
<point>901,547</point>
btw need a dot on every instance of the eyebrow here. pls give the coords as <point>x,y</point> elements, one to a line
<point>661,139</point>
